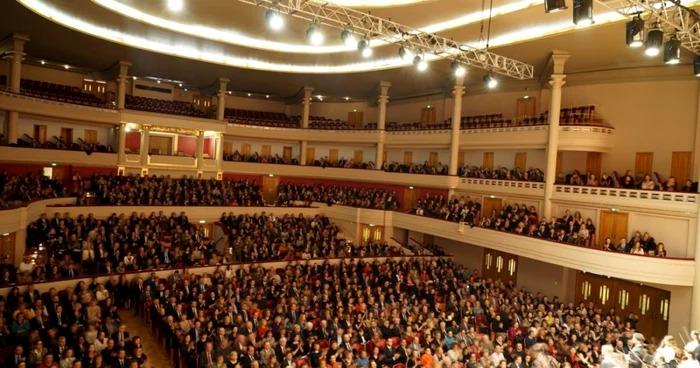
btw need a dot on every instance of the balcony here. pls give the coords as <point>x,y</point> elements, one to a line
<point>296,134</point>
<point>37,106</point>
<point>503,187</point>
<point>588,138</point>
<point>39,156</point>
<point>679,202</point>
<point>179,162</point>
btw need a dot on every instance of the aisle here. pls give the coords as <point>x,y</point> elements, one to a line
<point>151,347</point>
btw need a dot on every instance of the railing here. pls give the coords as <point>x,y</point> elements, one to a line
<point>670,201</point>
<point>57,103</point>
<point>587,129</point>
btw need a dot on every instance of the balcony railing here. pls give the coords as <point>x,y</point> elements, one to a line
<point>650,199</point>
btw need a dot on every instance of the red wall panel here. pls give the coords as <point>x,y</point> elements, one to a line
<point>210,146</point>
<point>133,140</point>
<point>187,145</point>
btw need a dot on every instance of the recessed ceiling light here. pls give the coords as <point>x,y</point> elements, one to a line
<point>175,5</point>
<point>249,95</point>
<point>267,96</point>
<point>43,62</point>
<point>347,98</point>
<point>66,66</point>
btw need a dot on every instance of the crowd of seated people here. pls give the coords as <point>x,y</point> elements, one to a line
<point>343,163</point>
<point>640,244</point>
<point>59,92</point>
<point>628,181</point>
<point>501,173</point>
<point>425,168</point>
<point>263,118</point>
<point>17,189</point>
<point>166,191</point>
<point>257,158</point>
<point>26,141</point>
<point>163,106</point>
<point>289,193</point>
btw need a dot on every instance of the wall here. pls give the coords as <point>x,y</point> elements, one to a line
<point>210,146</point>
<point>26,126</point>
<point>347,152</point>
<point>187,144</point>
<point>492,103</point>
<point>572,160</point>
<point>338,110</point>
<point>65,77</point>
<point>552,280</point>
<point>254,104</point>
<point>276,148</point>
<point>151,94</point>
<point>132,140</point>
<point>471,256</point>
<point>504,158</point>
<point>409,110</point>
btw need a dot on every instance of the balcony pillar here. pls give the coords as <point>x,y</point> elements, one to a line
<point>695,304</point>
<point>15,56</point>
<point>121,79</point>
<point>457,92</point>
<point>145,132</point>
<point>221,103</point>
<point>556,82</point>
<point>121,145</point>
<point>200,150</point>
<point>220,152</point>
<point>381,122</point>
<point>306,103</point>
<point>302,153</point>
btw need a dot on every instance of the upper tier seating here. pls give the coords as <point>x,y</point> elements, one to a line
<point>59,92</point>
<point>264,118</point>
<point>320,122</point>
<point>163,106</point>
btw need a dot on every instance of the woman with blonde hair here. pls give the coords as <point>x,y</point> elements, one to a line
<point>667,354</point>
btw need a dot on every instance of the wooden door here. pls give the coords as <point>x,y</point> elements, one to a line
<point>60,173</point>
<point>488,160</point>
<point>613,225</point>
<point>245,149</point>
<point>499,265</point>
<point>428,115</point>
<point>410,199</point>
<point>460,158</point>
<point>90,136</point>
<point>160,145</point>
<point>680,166</point>
<point>7,246</point>
<point>525,107</point>
<point>643,164</point>
<point>287,153</point>
<point>357,156</point>
<point>594,161</point>
<point>333,155</point>
<point>356,119</point>
<point>266,150</point>
<point>560,162</point>
<point>521,160</point>
<point>40,133</point>
<point>433,159</point>
<point>428,240</point>
<point>660,312</point>
<point>228,148</point>
<point>489,204</point>
<point>270,184</point>
<point>67,135</point>
<point>310,155</point>
<point>408,158</point>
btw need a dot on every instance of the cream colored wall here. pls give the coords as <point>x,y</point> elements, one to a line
<point>409,110</point>
<point>338,110</point>
<point>654,117</point>
<point>679,313</point>
<point>26,126</point>
<point>501,158</point>
<point>254,104</point>
<point>151,94</point>
<point>573,160</point>
<point>419,155</point>
<point>5,69</point>
<point>471,256</point>
<point>276,148</point>
<point>493,103</point>
<point>344,151</point>
<point>53,76</point>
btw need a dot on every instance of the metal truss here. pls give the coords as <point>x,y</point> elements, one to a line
<point>375,28</point>
<point>671,16</point>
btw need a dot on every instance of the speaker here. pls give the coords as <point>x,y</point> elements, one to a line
<point>551,6</point>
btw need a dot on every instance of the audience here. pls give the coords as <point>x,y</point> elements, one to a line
<point>288,193</point>
<point>17,189</point>
<point>501,173</point>
<point>255,157</point>
<point>628,181</point>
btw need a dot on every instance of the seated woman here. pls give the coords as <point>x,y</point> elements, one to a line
<point>647,183</point>
<point>670,184</point>
<point>660,250</point>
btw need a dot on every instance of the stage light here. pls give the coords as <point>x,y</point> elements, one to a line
<point>348,38</point>
<point>314,35</point>
<point>583,13</point>
<point>405,53</point>
<point>458,68</point>
<point>551,6</point>
<point>635,32</point>
<point>175,5</point>
<point>420,63</point>
<point>490,81</point>
<point>654,42</point>
<point>364,48</point>
<point>274,20</point>
<point>672,51</point>
<point>696,65</point>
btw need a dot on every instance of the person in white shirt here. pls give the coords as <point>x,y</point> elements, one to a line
<point>26,265</point>
<point>667,353</point>
<point>497,355</point>
<point>690,361</point>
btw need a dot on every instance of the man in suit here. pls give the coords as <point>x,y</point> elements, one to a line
<point>121,336</point>
<point>15,358</point>
<point>120,361</point>
<point>248,358</point>
<point>517,363</point>
<point>206,358</point>
<point>637,353</point>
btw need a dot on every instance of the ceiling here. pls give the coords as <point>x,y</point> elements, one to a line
<point>149,34</point>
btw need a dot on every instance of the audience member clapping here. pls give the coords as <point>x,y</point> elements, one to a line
<point>425,168</point>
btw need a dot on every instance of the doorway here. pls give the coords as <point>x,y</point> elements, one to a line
<point>613,225</point>
<point>270,184</point>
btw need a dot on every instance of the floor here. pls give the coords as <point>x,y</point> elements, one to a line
<point>151,347</point>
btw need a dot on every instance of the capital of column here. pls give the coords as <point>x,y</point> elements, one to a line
<point>124,68</point>
<point>557,80</point>
<point>458,91</point>
<point>384,88</point>
<point>16,41</point>
<point>223,85</point>
<point>383,100</point>
<point>146,128</point>
<point>14,56</point>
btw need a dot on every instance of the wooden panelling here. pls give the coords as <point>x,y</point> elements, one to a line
<point>460,159</point>
<point>7,246</point>
<point>245,149</point>
<point>498,265</point>
<point>374,233</point>
<point>613,225</point>
<point>333,155</point>
<point>356,119</point>
<point>266,150</point>
<point>490,204</point>
<point>410,199</point>
<point>160,145</point>
<point>525,107</point>
<point>428,116</point>
<point>433,159</point>
<point>521,161</point>
<point>310,155</point>
<point>67,135</point>
<point>488,160</point>
<point>594,161</point>
<point>287,153</point>
<point>357,156</point>
<point>408,158</point>
<point>40,133</point>
<point>680,167</point>
<point>270,184</point>
<point>90,136</point>
<point>228,148</point>
<point>643,164</point>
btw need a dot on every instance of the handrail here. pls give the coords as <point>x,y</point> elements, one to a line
<point>656,196</point>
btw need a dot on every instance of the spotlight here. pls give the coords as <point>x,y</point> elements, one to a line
<point>175,5</point>
<point>314,35</point>
<point>583,13</point>
<point>43,62</point>
<point>696,65</point>
<point>179,84</point>
<point>364,48</point>
<point>457,68</point>
<point>551,6</point>
<point>274,20</point>
<point>672,51</point>
<point>420,63</point>
<point>66,66</point>
<point>655,39</point>
<point>249,95</point>
<point>490,81</point>
<point>635,32</point>
<point>405,54</point>
<point>348,38</point>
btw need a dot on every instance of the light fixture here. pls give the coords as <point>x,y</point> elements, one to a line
<point>458,68</point>
<point>420,63</point>
<point>348,38</point>
<point>158,81</point>
<point>249,95</point>
<point>127,128</point>
<point>490,81</point>
<point>551,6</point>
<point>201,221</point>
<point>635,32</point>
<point>672,51</point>
<point>274,20</point>
<point>427,107</point>
<point>270,175</point>
<point>314,35</point>
<point>410,188</point>
<point>696,65</point>
<point>43,62</point>
<point>363,47</point>
<point>371,225</point>
<point>347,98</point>
<point>66,66</point>
<point>526,97</point>
<point>405,53</point>
<point>179,84</point>
<point>654,41</point>
<point>583,13</point>
<point>320,98</point>
<point>53,164</point>
<point>185,89</point>
<point>6,234</point>
<point>267,96</point>
<point>135,78</point>
<point>492,196</point>
<point>175,5</point>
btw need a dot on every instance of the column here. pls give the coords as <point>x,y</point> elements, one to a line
<point>221,103</point>
<point>200,150</point>
<point>556,82</point>
<point>457,93</point>
<point>695,304</point>
<point>145,132</point>
<point>381,123</point>
<point>306,102</point>
<point>121,83</point>
<point>220,152</point>
<point>121,145</point>
<point>15,59</point>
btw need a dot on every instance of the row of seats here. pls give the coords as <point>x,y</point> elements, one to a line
<point>58,92</point>
<point>162,106</point>
<point>259,118</point>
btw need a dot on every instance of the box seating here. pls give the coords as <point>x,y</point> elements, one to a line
<point>58,92</point>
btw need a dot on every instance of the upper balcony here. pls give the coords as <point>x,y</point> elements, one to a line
<point>57,109</point>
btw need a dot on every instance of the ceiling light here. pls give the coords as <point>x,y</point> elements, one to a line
<point>347,98</point>
<point>314,35</point>
<point>158,81</point>
<point>364,48</point>
<point>185,89</point>
<point>348,38</point>
<point>458,68</point>
<point>655,39</point>
<point>420,64</point>
<point>267,96</point>
<point>672,51</point>
<point>635,32</point>
<point>175,5</point>
<point>274,20</point>
<point>135,78</point>
<point>179,84</point>
<point>249,95</point>
<point>696,65</point>
<point>229,92</point>
<point>43,62</point>
<point>66,66</point>
<point>490,81</point>
<point>551,6</point>
<point>405,53</point>
<point>583,13</point>
<point>526,97</point>
<point>202,221</point>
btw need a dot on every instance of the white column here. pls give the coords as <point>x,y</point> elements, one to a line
<point>121,83</point>
<point>695,304</point>
<point>556,82</point>
<point>306,103</point>
<point>302,154</point>
<point>221,103</point>
<point>220,152</point>
<point>15,59</point>
<point>145,133</point>
<point>381,122</point>
<point>200,150</point>
<point>457,93</point>
<point>121,145</point>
